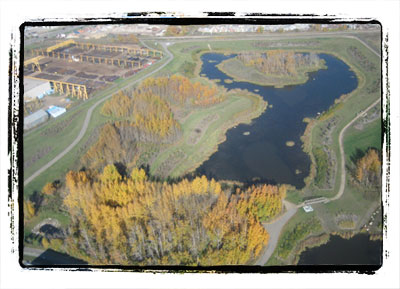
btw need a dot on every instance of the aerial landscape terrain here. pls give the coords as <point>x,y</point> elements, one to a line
<point>202,145</point>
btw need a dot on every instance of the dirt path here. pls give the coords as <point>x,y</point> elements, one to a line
<point>87,120</point>
<point>342,155</point>
<point>274,229</point>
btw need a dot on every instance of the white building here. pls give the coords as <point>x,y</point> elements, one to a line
<point>35,119</point>
<point>308,209</point>
<point>34,88</point>
<point>56,111</point>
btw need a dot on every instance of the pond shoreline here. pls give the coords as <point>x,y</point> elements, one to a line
<point>292,141</point>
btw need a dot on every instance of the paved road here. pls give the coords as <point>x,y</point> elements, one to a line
<point>87,120</point>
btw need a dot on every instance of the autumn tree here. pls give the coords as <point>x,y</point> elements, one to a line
<point>130,219</point>
<point>49,189</point>
<point>179,90</point>
<point>264,201</point>
<point>368,169</point>
<point>29,210</point>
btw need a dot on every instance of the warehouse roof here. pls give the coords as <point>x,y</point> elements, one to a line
<point>30,83</point>
<point>35,116</point>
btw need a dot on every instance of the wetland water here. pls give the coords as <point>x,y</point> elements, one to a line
<point>358,250</point>
<point>258,152</point>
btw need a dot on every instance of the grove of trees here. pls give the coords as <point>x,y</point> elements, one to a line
<point>179,90</point>
<point>118,219</point>
<point>145,115</point>
<point>279,62</point>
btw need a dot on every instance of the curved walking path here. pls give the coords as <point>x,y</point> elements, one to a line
<point>342,155</point>
<point>87,120</point>
<point>274,229</point>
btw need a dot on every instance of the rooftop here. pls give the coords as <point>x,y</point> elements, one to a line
<point>56,111</point>
<point>308,208</point>
<point>36,115</point>
<point>30,83</point>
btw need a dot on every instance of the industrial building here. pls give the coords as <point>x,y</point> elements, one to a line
<point>34,88</point>
<point>35,119</point>
<point>56,111</point>
<point>78,69</point>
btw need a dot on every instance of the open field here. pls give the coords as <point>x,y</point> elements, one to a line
<point>373,39</point>
<point>357,141</point>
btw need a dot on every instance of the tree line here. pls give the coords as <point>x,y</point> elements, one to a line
<point>118,219</point>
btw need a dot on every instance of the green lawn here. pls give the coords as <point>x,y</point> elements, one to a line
<point>360,140</point>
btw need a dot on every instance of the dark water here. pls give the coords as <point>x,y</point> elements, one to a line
<point>358,250</point>
<point>263,155</point>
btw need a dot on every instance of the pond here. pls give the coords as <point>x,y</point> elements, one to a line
<point>269,150</point>
<point>358,250</point>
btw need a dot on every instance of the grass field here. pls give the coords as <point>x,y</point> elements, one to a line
<point>372,39</point>
<point>360,140</point>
